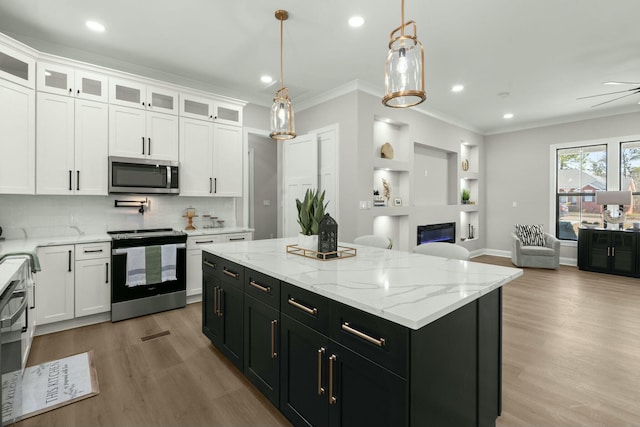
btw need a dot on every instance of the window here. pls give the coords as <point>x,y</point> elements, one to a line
<point>630,177</point>
<point>581,171</point>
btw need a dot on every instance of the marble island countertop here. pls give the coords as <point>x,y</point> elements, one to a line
<point>410,289</point>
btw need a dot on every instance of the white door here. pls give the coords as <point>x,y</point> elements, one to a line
<point>93,289</point>
<point>91,147</point>
<point>227,161</point>
<point>196,157</point>
<point>300,172</point>
<point>18,141</point>
<point>127,132</point>
<point>55,141</point>
<point>162,136</point>
<point>55,284</point>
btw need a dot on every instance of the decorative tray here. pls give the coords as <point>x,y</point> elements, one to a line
<point>342,252</point>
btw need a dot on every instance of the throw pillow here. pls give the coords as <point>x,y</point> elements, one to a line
<point>530,235</point>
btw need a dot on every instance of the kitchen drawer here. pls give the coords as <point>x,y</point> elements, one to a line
<point>211,264</point>
<point>306,307</point>
<point>236,237</point>
<point>93,250</point>
<point>195,242</point>
<point>231,274</point>
<point>379,340</point>
<point>262,287</point>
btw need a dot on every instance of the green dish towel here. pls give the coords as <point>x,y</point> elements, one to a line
<point>153,264</point>
<point>35,262</point>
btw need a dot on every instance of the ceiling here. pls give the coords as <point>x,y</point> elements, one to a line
<point>530,58</point>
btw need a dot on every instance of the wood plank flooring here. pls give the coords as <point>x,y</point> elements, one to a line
<point>571,357</point>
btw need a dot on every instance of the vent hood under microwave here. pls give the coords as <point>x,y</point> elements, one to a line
<point>143,176</point>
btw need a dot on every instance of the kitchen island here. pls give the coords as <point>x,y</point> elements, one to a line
<point>382,338</point>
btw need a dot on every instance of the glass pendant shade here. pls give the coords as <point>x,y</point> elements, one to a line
<point>282,126</point>
<point>404,71</point>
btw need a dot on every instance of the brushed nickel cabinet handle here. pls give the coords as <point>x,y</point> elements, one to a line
<point>296,304</point>
<point>332,398</point>
<point>215,300</point>
<point>320,357</point>
<point>613,251</point>
<point>377,341</point>
<point>209,264</point>
<point>220,296</point>
<point>265,289</point>
<point>274,324</point>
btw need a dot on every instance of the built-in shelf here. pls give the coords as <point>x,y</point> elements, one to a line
<point>390,210</point>
<point>390,165</point>
<point>469,208</point>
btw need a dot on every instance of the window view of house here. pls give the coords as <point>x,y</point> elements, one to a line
<point>581,172</point>
<point>629,176</point>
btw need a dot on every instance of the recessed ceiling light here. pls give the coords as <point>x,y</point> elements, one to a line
<point>508,116</point>
<point>95,26</point>
<point>266,79</point>
<point>457,88</point>
<point>356,21</point>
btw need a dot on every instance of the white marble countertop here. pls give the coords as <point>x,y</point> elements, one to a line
<point>217,230</point>
<point>410,289</point>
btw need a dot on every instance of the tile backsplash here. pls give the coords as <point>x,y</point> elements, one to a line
<point>44,216</point>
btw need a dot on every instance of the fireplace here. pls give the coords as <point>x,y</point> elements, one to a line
<point>445,232</point>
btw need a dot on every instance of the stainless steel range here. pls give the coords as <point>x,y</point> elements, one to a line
<point>148,270</point>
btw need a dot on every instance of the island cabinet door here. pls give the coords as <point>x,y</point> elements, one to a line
<point>211,322</point>
<point>261,347</point>
<point>362,393</point>
<point>303,377</point>
<point>231,311</point>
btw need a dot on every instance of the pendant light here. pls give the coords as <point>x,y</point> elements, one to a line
<point>281,111</point>
<point>404,72</point>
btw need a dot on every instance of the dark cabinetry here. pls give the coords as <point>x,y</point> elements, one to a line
<point>608,251</point>
<point>323,363</point>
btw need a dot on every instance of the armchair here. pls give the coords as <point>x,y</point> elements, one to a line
<point>547,256</point>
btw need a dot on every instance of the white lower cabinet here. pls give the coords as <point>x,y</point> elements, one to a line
<point>55,284</point>
<point>74,281</point>
<point>93,279</point>
<point>194,256</point>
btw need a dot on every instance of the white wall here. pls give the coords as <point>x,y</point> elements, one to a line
<point>518,170</point>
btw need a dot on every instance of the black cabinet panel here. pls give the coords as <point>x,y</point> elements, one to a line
<point>262,287</point>
<point>609,251</point>
<point>306,307</point>
<point>231,312</point>
<point>261,347</point>
<point>365,393</point>
<point>490,358</point>
<point>303,378</point>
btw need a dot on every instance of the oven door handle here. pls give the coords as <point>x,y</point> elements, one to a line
<point>8,321</point>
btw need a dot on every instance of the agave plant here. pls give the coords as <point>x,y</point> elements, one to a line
<point>310,211</point>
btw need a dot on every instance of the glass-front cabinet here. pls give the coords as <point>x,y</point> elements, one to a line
<point>203,108</point>
<point>17,67</point>
<point>129,93</point>
<point>62,80</point>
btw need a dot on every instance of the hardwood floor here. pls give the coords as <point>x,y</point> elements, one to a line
<point>571,357</point>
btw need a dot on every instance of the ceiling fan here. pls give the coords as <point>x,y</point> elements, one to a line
<point>627,92</point>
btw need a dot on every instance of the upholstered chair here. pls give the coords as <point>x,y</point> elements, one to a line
<point>545,256</point>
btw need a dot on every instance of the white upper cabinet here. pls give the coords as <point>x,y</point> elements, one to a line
<point>203,108</point>
<point>142,134</point>
<point>135,94</point>
<point>18,141</point>
<point>17,67</point>
<point>69,81</point>
<point>72,145</point>
<point>227,161</point>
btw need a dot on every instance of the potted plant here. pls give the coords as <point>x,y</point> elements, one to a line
<point>465,196</point>
<point>310,213</point>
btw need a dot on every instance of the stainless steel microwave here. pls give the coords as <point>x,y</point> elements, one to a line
<point>143,176</point>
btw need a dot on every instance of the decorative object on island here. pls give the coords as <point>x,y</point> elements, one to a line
<point>310,213</point>
<point>619,198</point>
<point>189,213</point>
<point>404,72</point>
<point>328,236</point>
<point>282,126</point>
<point>465,165</point>
<point>386,188</point>
<point>465,196</point>
<point>378,200</point>
<point>386,151</point>
<point>341,252</point>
